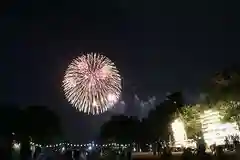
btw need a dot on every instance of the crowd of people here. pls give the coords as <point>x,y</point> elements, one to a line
<point>161,150</point>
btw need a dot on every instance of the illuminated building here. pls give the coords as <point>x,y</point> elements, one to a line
<point>214,131</point>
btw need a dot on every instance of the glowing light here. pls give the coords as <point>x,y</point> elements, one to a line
<point>134,149</point>
<point>179,133</point>
<point>63,149</point>
<point>16,146</point>
<point>92,83</point>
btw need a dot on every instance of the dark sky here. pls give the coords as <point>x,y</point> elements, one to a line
<point>157,46</point>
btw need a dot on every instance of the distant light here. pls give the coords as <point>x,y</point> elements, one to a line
<point>89,148</point>
<point>16,146</point>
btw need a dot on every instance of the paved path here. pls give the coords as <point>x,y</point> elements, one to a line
<point>149,155</point>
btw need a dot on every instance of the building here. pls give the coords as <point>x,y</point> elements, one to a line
<point>215,131</point>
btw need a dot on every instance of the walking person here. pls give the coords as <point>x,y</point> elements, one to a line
<point>187,154</point>
<point>36,153</point>
<point>76,154</point>
<point>219,153</point>
<point>158,148</point>
<point>201,153</point>
<point>129,153</point>
<point>82,155</point>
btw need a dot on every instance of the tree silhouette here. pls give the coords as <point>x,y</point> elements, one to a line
<point>121,129</point>
<point>224,85</point>
<point>159,119</point>
<point>224,93</point>
<point>41,124</point>
<point>125,129</point>
<point>37,122</point>
<point>9,118</point>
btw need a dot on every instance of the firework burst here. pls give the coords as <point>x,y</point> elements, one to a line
<point>92,83</point>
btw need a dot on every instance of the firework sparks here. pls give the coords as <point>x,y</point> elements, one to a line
<point>92,83</point>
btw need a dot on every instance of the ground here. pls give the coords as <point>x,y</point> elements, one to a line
<point>176,155</point>
<point>149,155</point>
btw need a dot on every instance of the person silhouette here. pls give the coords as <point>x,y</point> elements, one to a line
<point>187,154</point>
<point>159,147</point>
<point>201,153</point>
<point>76,154</point>
<point>219,153</point>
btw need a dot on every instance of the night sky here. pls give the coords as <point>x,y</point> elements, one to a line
<point>158,47</point>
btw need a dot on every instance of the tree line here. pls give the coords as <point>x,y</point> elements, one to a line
<point>222,93</point>
<point>35,123</point>
<point>127,129</point>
